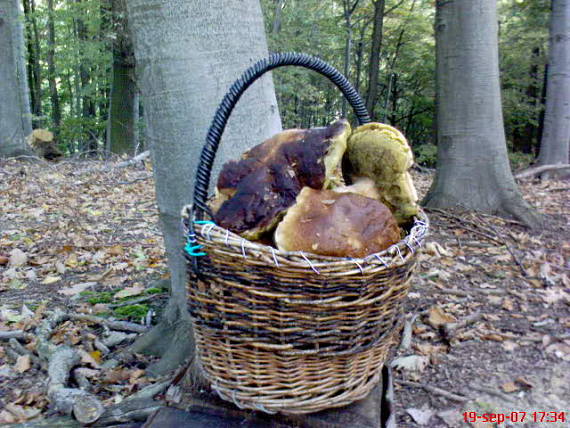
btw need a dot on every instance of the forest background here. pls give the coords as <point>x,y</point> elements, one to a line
<point>80,68</point>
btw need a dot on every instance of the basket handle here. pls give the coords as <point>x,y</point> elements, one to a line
<point>227,105</point>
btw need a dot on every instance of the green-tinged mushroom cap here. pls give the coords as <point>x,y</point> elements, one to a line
<point>381,152</point>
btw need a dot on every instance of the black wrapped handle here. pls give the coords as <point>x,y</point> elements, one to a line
<point>227,105</point>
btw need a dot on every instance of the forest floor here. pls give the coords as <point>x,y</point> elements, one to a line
<point>489,312</point>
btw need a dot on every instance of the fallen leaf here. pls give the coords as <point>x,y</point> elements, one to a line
<point>420,416</point>
<point>553,295</point>
<point>510,387</point>
<point>509,345</point>
<point>493,336</point>
<point>23,413</point>
<point>437,317</point>
<point>508,305</point>
<point>525,384</point>
<point>4,260</point>
<point>23,363</point>
<point>51,280</point>
<point>87,358</point>
<point>60,267</point>
<point>116,250</point>
<point>17,258</point>
<point>429,349</point>
<point>129,292</point>
<point>411,363</point>
<point>76,289</point>
<point>97,356</point>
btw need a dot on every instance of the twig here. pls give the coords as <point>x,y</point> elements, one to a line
<point>19,348</point>
<point>434,390</point>
<point>112,324</point>
<point>512,253</point>
<point>147,177</point>
<point>460,223</point>
<point>407,334</point>
<point>449,329</point>
<point>492,392</point>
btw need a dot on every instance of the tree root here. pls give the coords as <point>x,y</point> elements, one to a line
<point>533,172</point>
<point>171,339</point>
<point>129,411</point>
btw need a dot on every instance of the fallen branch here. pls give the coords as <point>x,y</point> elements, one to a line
<point>407,334</point>
<point>435,390</point>
<point>112,324</point>
<point>533,172</point>
<point>19,348</point>
<point>137,158</point>
<point>491,391</point>
<point>12,334</point>
<point>129,411</point>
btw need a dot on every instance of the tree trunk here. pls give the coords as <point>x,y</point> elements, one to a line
<point>374,60</point>
<point>34,67</point>
<point>524,136</point>
<point>279,5</point>
<point>556,135</point>
<point>123,121</point>
<point>473,170</point>
<point>87,104</point>
<point>15,114</point>
<point>54,96</point>
<point>348,10</point>
<point>188,53</point>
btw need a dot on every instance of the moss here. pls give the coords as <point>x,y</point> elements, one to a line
<point>94,297</point>
<point>153,290</point>
<point>131,312</point>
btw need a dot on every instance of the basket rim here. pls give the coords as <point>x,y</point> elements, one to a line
<point>397,254</point>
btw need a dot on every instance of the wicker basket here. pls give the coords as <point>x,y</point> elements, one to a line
<point>287,331</point>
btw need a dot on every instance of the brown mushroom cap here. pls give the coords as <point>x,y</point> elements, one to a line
<point>255,191</point>
<point>337,224</point>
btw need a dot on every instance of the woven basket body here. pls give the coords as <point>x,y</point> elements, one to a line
<point>287,331</point>
<point>275,335</point>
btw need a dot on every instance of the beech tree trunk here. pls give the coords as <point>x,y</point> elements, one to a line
<point>473,170</point>
<point>34,67</point>
<point>54,96</point>
<point>123,111</point>
<point>556,135</point>
<point>374,61</point>
<point>188,53</point>
<point>15,114</point>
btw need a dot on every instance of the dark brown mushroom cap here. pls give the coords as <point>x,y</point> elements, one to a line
<point>337,224</point>
<point>268,178</point>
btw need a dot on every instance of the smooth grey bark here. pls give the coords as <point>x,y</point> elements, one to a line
<point>473,170</point>
<point>54,95</point>
<point>15,114</point>
<point>556,134</point>
<point>187,54</point>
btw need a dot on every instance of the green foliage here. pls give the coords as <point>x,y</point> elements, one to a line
<point>426,155</point>
<point>520,160</point>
